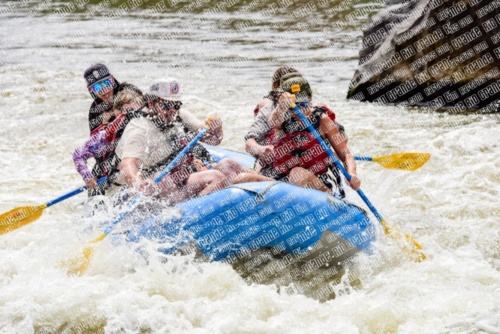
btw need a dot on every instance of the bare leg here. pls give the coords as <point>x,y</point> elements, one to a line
<point>205,182</point>
<point>250,177</point>
<point>230,168</point>
<point>225,173</point>
<point>304,178</point>
<point>170,191</point>
<point>199,183</point>
<point>235,173</point>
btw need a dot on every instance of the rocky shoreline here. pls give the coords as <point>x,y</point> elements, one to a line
<point>432,53</point>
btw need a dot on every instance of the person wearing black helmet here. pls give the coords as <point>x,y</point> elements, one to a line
<point>103,87</point>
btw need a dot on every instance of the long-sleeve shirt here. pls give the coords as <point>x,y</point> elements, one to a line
<point>93,146</point>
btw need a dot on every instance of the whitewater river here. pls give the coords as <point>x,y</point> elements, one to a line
<point>224,62</point>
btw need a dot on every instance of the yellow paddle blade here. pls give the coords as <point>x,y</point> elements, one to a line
<point>19,217</point>
<point>80,264</point>
<point>403,161</point>
<point>412,246</point>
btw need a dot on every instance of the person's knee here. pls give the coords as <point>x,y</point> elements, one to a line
<point>297,175</point>
<point>195,183</point>
<point>227,165</point>
<point>248,177</point>
<point>207,177</point>
<point>217,176</point>
<point>224,164</point>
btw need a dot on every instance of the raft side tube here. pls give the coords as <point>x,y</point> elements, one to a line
<point>219,153</point>
<point>269,232</point>
<point>249,216</point>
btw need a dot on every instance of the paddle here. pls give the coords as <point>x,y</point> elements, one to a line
<point>80,264</point>
<point>390,231</point>
<point>25,215</point>
<point>403,161</point>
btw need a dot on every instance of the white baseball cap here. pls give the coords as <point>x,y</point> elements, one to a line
<point>168,89</point>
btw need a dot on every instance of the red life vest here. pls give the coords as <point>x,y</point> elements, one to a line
<point>118,124</point>
<point>297,146</point>
<point>99,128</point>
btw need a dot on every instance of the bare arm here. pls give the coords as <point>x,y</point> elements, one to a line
<point>214,134</point>
<point>338,141</point>
<point>252,147</point>
<point>129,169</point>
<point>256,141</point>
<point>278,115</point>
<point>265,153</point>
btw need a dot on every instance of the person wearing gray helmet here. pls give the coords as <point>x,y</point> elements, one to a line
<point>103,87</point>
<point>298,156</point>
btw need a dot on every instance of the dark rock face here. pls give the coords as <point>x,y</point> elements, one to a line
<point>433,53</point>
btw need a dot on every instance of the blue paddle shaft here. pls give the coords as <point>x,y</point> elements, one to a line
<point>181,155</point>
<point>160,176</point>
<point>363,158</point>
<point>335,160</point>
<point>73,193</point>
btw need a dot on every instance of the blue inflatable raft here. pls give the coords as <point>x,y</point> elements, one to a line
<point>270,232</point>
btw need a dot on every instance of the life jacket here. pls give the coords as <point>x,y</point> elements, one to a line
<point>186,166</point>
<point>296,146</point>
<point>103,164</point>
<point>99,106</point>
<point>106,160</point>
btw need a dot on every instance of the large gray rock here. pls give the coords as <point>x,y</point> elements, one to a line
<point>434,53</point>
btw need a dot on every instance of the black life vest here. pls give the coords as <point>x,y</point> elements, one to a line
<point>181,172</point>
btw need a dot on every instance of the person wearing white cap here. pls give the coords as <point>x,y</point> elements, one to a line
<point>149,144</point>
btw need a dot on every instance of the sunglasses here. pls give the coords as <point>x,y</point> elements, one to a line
<point>102,86</point>
<point>171,104</point>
